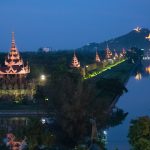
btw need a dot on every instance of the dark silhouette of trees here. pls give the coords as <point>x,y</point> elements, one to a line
<point>76,101</point>
<point>139,133</point>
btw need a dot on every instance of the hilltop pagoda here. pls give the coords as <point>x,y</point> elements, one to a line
<point>13,73</point>
<point>75,63</point>
<point>97,58</point>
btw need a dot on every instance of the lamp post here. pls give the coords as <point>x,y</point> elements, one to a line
<point>42,77</point>
<point>42,80</point>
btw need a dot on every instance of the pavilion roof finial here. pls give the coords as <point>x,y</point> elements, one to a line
<point>13,44</point>
<point>13,36</point>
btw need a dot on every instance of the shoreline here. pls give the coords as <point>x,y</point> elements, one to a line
<point>116,98</point>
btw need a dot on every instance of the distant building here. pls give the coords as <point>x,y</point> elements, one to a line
<point>46,49</point>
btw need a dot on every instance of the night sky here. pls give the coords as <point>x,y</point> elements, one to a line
<point>64,24</point>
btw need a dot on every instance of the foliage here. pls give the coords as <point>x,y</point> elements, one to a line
<point>139,133</point>
<point>134,55</point>
<point>111,86</point>
<point>37,134</point>
<point>116,117</point>
<point>76,101</point>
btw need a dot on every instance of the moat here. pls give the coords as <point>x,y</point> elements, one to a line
<point>137,103</point>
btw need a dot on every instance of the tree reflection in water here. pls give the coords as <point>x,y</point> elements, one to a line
<point>117,116</point>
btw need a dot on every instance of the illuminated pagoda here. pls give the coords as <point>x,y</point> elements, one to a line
<point>121,55</point>
<point>75,63</point>
<point>13,73</point>
<point>97,58</point>
<point>115,54</point>
<point>124,52</point>
<point>108,53</point>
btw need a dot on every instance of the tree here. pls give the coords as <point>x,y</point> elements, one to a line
<point>139,133</point>
<point>37,134</point>
<point>76,101</point>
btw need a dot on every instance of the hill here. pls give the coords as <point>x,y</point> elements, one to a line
<point>131,39</point>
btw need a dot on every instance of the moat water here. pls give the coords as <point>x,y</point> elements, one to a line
<point>137,103</point>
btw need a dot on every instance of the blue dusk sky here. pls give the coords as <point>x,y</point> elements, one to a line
<point>67,24</point>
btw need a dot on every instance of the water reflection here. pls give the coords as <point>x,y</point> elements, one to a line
<point>136,102</point>
<point>142,70</point>
<point>117,117</point>
<point>138,76</point>
<point>147,69</point>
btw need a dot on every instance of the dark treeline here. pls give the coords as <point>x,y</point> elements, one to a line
<point>46,63</point>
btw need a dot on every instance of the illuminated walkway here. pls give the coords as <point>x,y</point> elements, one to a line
<point>98,72</point>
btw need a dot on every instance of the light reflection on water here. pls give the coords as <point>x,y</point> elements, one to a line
<point>137,103</point>
<point>147,69</point>
<point>138,76</point>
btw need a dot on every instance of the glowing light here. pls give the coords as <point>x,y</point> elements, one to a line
<point>43,77</point>
<point>105,132</point>
<point>147,69</point>
<point>137,29</point>
<point>46,99</point>
<point>148,37</point>
<point>17,102</point>
<point>43,121</point>
<point>138,76</point>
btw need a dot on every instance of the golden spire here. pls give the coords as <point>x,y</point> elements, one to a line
<point>75,63</point>
<point>13,44</point>
<point>108,53</point>
<point>13,57</point>
<point>13,62</point>
<point>97,58</point>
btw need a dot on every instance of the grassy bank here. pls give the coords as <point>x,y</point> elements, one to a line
<point>98,72</point>
<point>121,72</point>
<point>111,84</point>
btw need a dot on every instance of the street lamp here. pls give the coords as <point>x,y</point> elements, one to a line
<point>43,77</point>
